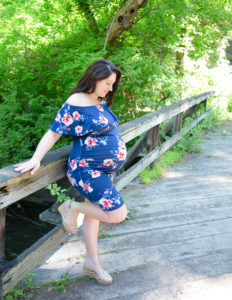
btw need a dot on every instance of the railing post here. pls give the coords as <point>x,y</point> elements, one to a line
<point>177,122</point>
<point>152,141</point>
<point>2,234</point>
<point>195,109</point>
<point>205,104</point>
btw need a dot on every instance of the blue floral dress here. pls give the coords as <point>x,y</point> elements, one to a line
<point>98,151</point>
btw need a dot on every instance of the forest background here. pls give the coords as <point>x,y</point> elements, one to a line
<point>163,48</point>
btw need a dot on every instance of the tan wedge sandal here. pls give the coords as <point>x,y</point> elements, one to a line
<point>102,276</point>
<point>70,223</point>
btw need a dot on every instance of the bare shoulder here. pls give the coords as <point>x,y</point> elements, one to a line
<point>76,99</point>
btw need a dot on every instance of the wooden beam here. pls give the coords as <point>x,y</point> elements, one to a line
<point>15,186</point>
<point>153,138</point>
<point>205,104</point>
<point>177,122</point>
<point>2,234</point>
<point>31,257</point>
<point>134,151</point>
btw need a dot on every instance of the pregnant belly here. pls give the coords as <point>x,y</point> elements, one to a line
<point>99,155</point>
<point>106,158</point>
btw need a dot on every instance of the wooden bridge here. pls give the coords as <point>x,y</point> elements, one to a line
<point>177,243</point>
<point>14,186</point>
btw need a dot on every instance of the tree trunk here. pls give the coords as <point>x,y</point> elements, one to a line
<point>123,19</point>
<point>85,8</point>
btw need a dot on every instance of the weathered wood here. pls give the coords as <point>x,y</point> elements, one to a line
<point>188,113</point>
<point>15,186</point>
<point>2,233</point>
<point>134,151</point>
<point>194,110</point>
<point>190,230</point>
<point>31,257</point>
<point>205,104</point>
<point>132,172</point>
<point>152,141</point>
<point>177,122</point>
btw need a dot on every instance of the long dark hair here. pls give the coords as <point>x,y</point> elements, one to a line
<point>98,70</point>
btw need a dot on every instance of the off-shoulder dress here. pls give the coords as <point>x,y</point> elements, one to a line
<point>98,151</point>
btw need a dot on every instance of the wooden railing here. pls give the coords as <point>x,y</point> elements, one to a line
<point>15,186</point>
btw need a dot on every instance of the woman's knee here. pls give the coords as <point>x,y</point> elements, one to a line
<point>118,215</point>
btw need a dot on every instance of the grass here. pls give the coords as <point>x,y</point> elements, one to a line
<point>144,205</point>
<point>103,235</point>
<point>169,158</point>
<point>110,251</point>
<point>26,285</point>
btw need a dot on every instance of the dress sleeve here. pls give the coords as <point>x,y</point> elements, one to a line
<point>69,121</point>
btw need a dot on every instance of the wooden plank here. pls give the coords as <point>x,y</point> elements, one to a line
<point>8,175</point>
<point>26,184</point>
<point>132,172</point>
<point>130,236</point>
<point>2,234</point>
<point>31,257</point>
<point>15,186</point>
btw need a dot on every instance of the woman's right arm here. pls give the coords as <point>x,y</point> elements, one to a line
<point>45,144</point>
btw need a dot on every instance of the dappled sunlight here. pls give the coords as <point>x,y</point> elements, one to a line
<point>221,154</point>
<point>189,287</point>
<point>218,178</point>
<point>174,174</point>
<point>214,288</point>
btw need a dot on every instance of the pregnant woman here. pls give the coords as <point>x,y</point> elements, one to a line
<point>98,152</point>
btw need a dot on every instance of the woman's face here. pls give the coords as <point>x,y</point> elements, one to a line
<point>105,85</point>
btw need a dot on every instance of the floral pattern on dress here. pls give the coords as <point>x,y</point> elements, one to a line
<point>98,151</point>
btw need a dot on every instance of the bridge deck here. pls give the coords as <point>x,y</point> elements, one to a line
<point>178,242</point>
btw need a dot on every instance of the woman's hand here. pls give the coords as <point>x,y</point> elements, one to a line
<point>33,164</point>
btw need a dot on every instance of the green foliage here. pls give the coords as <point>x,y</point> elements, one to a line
<point>103,235</point>
<point>147,175</point>
<point>46,45</point>
<point>229,105</point>
<point>59,192</point>
<point>62,283</point>
<point>27,285</point>
<point>21,287</point>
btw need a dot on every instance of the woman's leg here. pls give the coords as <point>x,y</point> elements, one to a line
<point>90,229</point>
<point>91,265</point>
<point>96,212</point>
